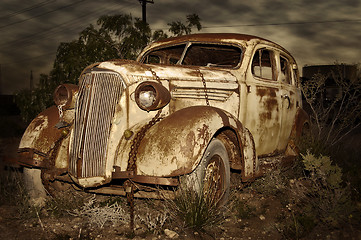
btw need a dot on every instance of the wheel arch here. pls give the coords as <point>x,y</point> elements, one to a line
<point>176,144</point>
<point>40,138</point>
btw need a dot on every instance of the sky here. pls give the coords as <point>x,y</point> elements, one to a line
<point>315,32</point>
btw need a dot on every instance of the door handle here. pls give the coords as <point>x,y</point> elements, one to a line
<point>288,98</point>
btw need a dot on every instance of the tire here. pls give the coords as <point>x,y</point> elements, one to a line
<point>212,175</point>
<point>34,186</point>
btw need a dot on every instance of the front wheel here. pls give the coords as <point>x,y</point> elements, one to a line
<point>212,176</point>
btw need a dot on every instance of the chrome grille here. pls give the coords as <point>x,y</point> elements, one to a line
<point>98,95</point>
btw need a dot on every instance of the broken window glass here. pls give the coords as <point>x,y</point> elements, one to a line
<point>212,55</point>
<point>169,55</point>
<point>285,74</point>
<point>262,64</point>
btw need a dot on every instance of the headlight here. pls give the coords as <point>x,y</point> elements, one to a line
<point>64,95</point>
<point>151,96</point>
<point>147,96</point>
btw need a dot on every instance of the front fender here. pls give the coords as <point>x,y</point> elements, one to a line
<point>176,144</point>
<point>40,138</point>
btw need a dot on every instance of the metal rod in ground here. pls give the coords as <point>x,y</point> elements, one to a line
<point>130,199</point>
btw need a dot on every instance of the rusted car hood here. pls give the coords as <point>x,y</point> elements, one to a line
<point>133,72</point>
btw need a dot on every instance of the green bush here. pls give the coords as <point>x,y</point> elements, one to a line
<point>195,209</point>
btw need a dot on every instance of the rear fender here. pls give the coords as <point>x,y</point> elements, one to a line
<point>298,128</point>
<point>176,144</point>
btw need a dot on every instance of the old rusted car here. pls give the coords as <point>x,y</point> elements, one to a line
<point>190,107</point>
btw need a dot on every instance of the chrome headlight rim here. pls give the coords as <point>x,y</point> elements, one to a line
<point>64,95</point>
<point>160,95</point>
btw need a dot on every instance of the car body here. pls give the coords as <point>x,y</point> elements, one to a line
<point>153,120</point>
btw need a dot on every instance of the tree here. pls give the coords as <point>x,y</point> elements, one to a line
<point>114,37</point>
<point>178,28</point>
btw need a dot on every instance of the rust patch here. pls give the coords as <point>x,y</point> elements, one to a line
<point>182,170</point>
<point>263,92</point>
<point>270,104</point>
<point>37,122</point>
<point>203,133</point>
<point>265,115</point>
<point>194,72</point>
<point>188,148</point>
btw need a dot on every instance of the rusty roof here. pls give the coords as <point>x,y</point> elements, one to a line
<point>211,37</point>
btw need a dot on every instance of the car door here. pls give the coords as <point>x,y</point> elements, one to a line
<point>264,103</point>
<point>288,78</point>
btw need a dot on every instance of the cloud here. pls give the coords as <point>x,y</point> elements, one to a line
<point>31,44</point>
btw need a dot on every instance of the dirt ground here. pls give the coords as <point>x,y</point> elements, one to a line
<point>262,225</point>
<point>262,219</point>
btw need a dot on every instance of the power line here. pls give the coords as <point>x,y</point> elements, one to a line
<point>29,58</point>
<point>38,5</point>
<point>40,15</point>
<point>285,23</point>
<point>56,28</point>
<point>65,26</point>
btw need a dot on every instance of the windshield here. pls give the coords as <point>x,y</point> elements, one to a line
<point>197,54</point>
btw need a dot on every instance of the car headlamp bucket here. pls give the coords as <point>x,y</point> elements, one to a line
<point>151,96</point>
<point>64,95</point>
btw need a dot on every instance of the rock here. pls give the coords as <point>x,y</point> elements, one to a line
<point>262,217</point>
<point>171,234</point>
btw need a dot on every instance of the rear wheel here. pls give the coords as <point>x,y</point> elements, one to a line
<point>212,176</point>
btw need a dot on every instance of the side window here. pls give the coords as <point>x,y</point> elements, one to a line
<point>152,59</point>
<point>285,74</point>
<point>263,64</point>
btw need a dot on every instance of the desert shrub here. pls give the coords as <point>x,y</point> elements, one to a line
<point>321,192</point>
<point>195,209</point>
<point>63,203</point>
<point>98,215</point>
<point>296,226</point>
<point>13,191</point>
<point>154,221</point>
<point>333,116</point>
<point>335,119</point>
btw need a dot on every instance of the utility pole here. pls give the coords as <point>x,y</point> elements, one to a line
<point>144,8</point>
<point>1,82</point>
<point>31,81</point>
